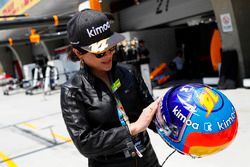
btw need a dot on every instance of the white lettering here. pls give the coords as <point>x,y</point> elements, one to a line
<point>186,88</point>
<point>90,33</point>
<point>220,125</point>
<point>93,28</point>
<point>98,30</point>
<point>225,124</point>
<point>189,122</point>
<point>175,110</point>
<point>184,119</point>
<point>195,125</point>
<point>208,126</point>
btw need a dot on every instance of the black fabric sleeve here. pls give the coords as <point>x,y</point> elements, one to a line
<point>89,142</point>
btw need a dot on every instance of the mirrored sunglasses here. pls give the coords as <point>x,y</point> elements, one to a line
<point>100,55</point>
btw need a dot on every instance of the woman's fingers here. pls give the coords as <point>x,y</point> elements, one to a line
<point>154,105</point>
<point>145,118</point>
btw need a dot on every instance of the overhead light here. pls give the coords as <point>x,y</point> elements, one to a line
<point>34,37</point>
<point>193,22</point>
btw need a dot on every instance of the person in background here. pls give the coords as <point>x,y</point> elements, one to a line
<point>143,52</point>
<point>179,62</point>
<point>119,54</point>
<point>132,51</point>
<point>106,106</point>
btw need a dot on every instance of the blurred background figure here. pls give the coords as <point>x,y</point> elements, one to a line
<point>143,52</point>
<point>178,62</point>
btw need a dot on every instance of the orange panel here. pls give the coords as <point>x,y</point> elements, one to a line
<point>95,4</point>
<point>215,47</point>
<point>158,70</point>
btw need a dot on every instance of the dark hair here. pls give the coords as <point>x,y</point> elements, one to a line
<point>71,54</point>
<point>141,41</point>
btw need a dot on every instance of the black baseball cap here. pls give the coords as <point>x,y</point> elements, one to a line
<point>90,30</point>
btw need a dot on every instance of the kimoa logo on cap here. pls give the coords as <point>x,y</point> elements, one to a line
<point>98,30</point>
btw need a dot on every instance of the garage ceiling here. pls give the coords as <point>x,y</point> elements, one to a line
<point>42,9</point>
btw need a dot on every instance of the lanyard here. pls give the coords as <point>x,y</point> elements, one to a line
<point>120,109</point>
<point>122,114</point>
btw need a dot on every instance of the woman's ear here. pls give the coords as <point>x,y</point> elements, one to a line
<point>78,53</point>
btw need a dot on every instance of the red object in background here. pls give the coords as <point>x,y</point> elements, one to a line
<point>5,76</point>
<point>60,50</point>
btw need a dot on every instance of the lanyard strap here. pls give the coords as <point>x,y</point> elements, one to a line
<point>123,116</point>
<point>121,113</point>
<point>120,109</point>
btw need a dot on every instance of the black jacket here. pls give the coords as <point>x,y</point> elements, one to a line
<point>89,111</point>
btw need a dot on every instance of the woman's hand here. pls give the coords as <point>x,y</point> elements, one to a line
<point>145,118</point>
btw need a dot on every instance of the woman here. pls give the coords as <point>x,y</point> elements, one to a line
<point>106,107</point>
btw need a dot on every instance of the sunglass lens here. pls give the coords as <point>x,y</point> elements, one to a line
<point>100,55</point>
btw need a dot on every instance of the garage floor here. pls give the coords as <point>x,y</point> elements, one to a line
<point>33,134</point>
